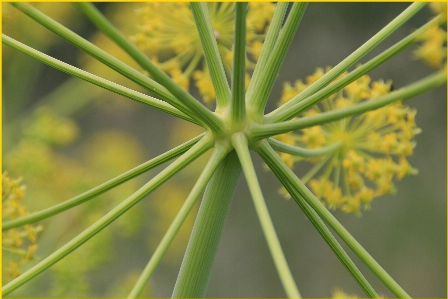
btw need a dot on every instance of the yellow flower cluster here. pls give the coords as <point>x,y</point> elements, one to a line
<point>167,32</point>
<point>20,244</point>
<point>432,50</point>
<point>373,146</point>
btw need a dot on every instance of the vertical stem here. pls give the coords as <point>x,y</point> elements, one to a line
<point>239,141</point>
<point>237,104</point>
<point>201,250</point>
<point>211,52</point>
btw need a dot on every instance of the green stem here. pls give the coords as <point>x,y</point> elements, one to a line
<point>188,105</point>
<point>193,153</point>
<point>266,50</point>
<point>270,72</point>
<point>212,121</point>
<point>239,141</point>
<point>204,240</point>
<point>304,152</point>
<point>302,102</point>
<point>411,90</point>
<point>218,155</point>
<point>237,103</point>
<point>94,192</point>
<point>86,76</point>
<point>211,52</point>
<point>304,196</point>
<point>284,112</point>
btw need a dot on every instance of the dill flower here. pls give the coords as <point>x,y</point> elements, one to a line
<point>370,150</point>
<point>167,33</point>
<point>19,244</point>
<point>433,40</point>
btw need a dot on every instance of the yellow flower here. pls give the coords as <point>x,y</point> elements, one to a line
<point>372,150</point>
<point>168,32</point>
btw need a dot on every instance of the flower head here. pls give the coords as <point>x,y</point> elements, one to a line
<point>373,147</point>
<point>167,33</point>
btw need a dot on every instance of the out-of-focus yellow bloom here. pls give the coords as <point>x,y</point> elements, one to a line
<point>373,150</point>
<point>432,50</point>
<point>18,244</point>
<point>340,294</point>
<point>168,34</point>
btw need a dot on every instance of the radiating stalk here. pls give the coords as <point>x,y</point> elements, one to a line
<point>305,196</point>
<point>218,155</point>
<point>211,52</point>
<point>268,45</point>
<point>411,90</point>
<point>94,192</point>
<point>237,103</point>
<point>304,101</point>
<point>178,98</point>
<point>160,76</point>
<point>303,152</point>
<point>270,72</point>
<point>204,240</point>
<point>239,141</point>
<point>91,78</point>
<point>197,150</point>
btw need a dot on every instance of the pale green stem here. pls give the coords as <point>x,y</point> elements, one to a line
<point>284,112</point>
<point>204,240</point>
<point>103,83</point>
<point>211,52</point>
<point>94,192</point>
<point>304,152</point>
<point>194,152</point>
<point>307,197</point>
<point>187,104</point>
<point>237,103</point>
<point>314,170</point>
<point>218,155</point>
<point>411,90</point>
<point>270,72</point>
<point>279,168</point>
<point>212,121</point>
<point>239,141</point>
<point>266,50</point>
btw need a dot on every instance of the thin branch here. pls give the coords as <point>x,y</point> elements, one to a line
<point>91,78</point>
<point>262,131</point>
<point>219,152</point>
<point>239,141</point>
<point>98,190</point>
<point>303,152</point>
<point>193,153</point>
<point>351,59</point>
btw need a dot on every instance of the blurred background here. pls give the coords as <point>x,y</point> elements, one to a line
<point>64,136</point>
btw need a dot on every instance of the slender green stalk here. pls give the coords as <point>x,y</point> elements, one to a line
<point>103,83</point>
<point>187,104</point>
<point>351,59</point>
<point>211,52</point>
<point>303,101</point>
<point>305,196</point>
<point>238,104</point>
<point>266,50</point>
<point>271,159</point>
<point>270,72</point>
<point>218,155</point>
<point>198,149</point>
<point>204,240</point>
<point>94,192</point>
<point>114,34</point>
<point>239,141</point>
<point>411,90</point>
<point>303,152</point>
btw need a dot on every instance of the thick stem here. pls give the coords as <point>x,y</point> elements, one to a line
<point>201,250</point>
